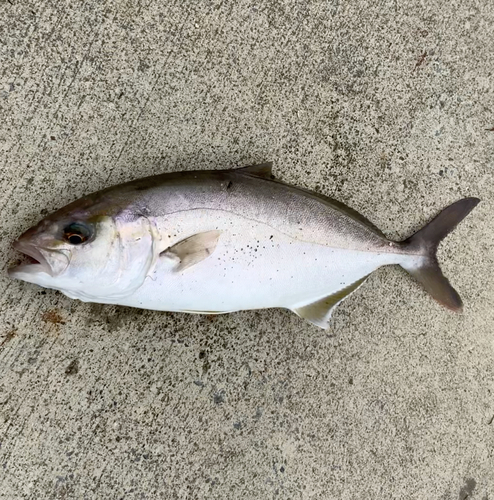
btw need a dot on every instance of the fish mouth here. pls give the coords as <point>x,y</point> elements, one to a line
<point>33,260</point>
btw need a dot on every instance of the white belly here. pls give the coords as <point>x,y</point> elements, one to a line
<point>254,268</point>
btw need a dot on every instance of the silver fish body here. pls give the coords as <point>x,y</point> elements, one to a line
<point>221,241</point>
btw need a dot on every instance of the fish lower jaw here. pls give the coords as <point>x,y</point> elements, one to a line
<point>27,272</point>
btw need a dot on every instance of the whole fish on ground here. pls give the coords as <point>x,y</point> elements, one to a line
<point>221,241</point>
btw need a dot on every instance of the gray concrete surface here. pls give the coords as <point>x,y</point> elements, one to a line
<point>385,106</point>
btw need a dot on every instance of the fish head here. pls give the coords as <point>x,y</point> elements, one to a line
<point>91,250</point>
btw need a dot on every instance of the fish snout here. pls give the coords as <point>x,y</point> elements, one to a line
<point>52,262</point>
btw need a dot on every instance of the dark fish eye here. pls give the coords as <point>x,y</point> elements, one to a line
<point>76,233</point>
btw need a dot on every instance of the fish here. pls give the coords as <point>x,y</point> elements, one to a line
<point>219,241</point>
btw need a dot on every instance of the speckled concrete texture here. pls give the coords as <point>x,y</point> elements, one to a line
<point>387,106</point>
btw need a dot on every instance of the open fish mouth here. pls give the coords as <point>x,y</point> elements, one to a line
<point>32,261</point>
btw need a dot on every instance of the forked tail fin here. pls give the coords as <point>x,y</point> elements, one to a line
<point>425,243</point>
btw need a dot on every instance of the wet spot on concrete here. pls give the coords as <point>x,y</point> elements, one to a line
<point>8,336</point>
<point>72,368</point>
<point>219,397</point>
<point>467,489</point>
<point>205,367</point>
<point>52,316</point>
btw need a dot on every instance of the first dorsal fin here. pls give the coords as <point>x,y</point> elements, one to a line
<point>264,170</point>
<point>319,312</point>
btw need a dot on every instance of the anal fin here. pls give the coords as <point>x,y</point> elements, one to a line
<point>319,312</point>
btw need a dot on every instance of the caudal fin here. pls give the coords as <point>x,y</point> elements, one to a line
<point>425,243</point>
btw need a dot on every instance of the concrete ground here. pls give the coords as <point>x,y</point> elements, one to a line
<point>387,106</point>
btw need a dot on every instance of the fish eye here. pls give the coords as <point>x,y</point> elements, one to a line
<point>76,233</point>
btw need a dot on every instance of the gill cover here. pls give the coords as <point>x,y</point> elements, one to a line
<point>123,253</point>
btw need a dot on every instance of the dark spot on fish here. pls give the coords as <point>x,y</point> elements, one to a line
<point>467,489</point>
<point>52,137</point>
<point>229,185</point>
<point>350,380</point>
<point>441,172</point>
<point>73,368</point>
<point>52,316</point>
<point>282,469</point>
<point>271,237</point>
<point>120,95</point>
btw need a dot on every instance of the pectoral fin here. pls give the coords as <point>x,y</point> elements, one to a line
<point>193,249</point>
<point>319,312</point>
